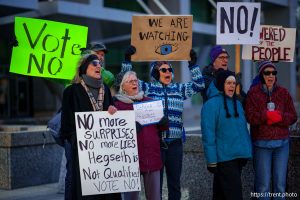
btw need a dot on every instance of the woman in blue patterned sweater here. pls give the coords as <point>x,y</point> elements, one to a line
<point>172,96</point>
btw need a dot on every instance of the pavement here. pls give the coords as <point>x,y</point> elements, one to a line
<point>191,118</point>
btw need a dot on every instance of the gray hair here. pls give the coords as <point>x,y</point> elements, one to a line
<point>124,79</point>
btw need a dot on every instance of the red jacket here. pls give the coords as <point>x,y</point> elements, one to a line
<point>256,113</point>
<point>148,140</point>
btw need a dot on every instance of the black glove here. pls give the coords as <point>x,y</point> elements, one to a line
<point>243,162</point>
<point>193,56</point>
<point>164,121</point>
<point>163,144</point>
<point>212,168</point>
<point>14,42</point>
<point>138,127</point>
<point>129,52</point>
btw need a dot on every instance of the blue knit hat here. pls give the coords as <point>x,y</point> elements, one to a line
<point>215,52</point>
<point>155,66</point>
<point>263,64</point>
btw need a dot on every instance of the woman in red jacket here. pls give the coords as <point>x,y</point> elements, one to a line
<point>148,137</point>
<point>270,111</point>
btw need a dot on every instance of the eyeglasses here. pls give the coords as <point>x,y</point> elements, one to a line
<point>164,70</point>
<point>268,73</point>
<point>224,57</point>
<point>132,81</point>
<point>96,62</point>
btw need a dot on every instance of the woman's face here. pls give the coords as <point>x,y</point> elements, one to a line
<point>269,75</point>
<point>131,85</point>
<point>94,69</point>
<point>229,87</point>
<point>165,74</point>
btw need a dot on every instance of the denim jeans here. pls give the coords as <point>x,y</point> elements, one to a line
<point>270,163</point>
<point>172,163</point>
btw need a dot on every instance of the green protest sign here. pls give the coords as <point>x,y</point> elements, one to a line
<point>47,48</point>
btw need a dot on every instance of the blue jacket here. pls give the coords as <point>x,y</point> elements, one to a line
<point>174,94</point>
<point>223,138</point>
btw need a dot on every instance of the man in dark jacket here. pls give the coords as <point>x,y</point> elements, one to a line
<point>218,60</point>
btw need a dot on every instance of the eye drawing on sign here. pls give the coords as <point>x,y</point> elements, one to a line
<point>166,49</point>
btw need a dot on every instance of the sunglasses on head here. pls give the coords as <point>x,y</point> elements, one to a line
<point>164,70</point>
<point>96,62</point>
<point>268,73</point>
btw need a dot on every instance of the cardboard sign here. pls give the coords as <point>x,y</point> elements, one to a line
<point>107,150</point>
<point>238,23</point>
<point>46,48</point>
<point>149,112</point>
<point>161,37</point>
<point>276,44</point>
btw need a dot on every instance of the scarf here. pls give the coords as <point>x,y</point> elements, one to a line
<point>129,99</point>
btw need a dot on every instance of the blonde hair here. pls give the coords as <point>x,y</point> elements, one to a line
<point>124,79</point>
<point>77,78</point>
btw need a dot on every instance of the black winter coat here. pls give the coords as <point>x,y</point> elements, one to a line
<point>75,99</point>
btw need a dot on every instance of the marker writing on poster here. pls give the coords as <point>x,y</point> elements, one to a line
<point>49,44</point>
<point>242,27</point>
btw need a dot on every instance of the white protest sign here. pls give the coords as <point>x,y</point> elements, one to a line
<point>149,112</point>
<point>276,44</point>
<point>107,150</point>
<point>238,23</point>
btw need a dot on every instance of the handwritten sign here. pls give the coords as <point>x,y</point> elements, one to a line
<point>46,48</point>
<point>276,44</point>
<point>107,150</point>
<point>161,37</point>
<point>149,112</point>
<point>238,23</point>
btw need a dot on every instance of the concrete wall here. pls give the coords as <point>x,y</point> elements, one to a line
<point>28,157</point>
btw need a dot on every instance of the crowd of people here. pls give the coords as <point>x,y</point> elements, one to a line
<point>227,142</point>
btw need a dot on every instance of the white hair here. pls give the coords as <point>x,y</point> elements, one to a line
<point>124,79</point>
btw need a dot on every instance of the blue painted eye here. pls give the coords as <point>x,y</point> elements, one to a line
<point>166,49</point>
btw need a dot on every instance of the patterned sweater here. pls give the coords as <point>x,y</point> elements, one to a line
<point>172,96</point>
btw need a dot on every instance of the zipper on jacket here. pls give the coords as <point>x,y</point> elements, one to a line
<point>166,108</point>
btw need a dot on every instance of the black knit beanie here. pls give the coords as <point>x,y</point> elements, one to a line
<point>83,67</point>
<point>221,76</point>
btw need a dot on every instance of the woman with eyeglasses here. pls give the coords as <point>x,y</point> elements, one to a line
<point>86,93</point>
<point>270,111</point>
<point>173,95</point>
<point>148,137</point>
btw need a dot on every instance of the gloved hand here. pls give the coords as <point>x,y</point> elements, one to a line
<point>164,121</point>
<point>212,168</point>
<point>14,42</point>
<point>129,52</point>
<point>193,56</point>
<point>273,117</point>
<point>138,127</point>
<point>163,144</point>
<point>243,162</point>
